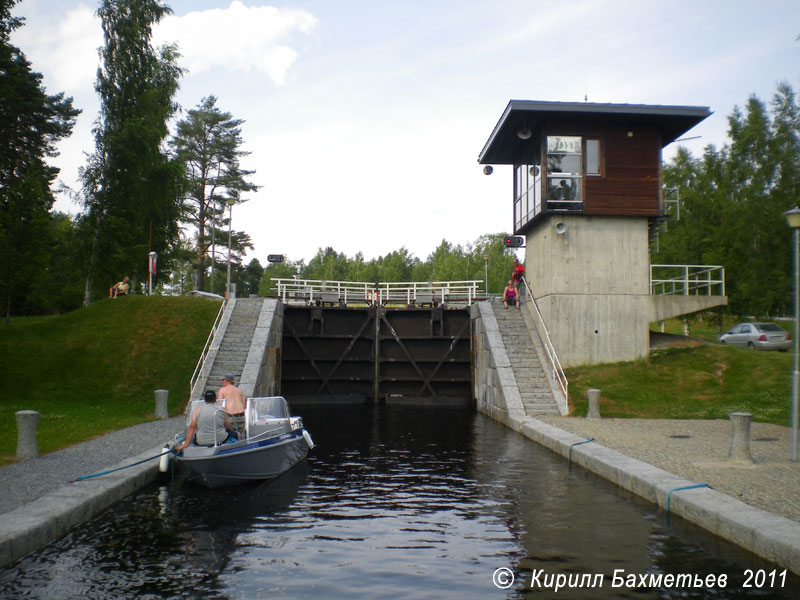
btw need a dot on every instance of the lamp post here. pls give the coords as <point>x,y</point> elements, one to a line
<point>793,218</point>
<point>486,273</point>
<point>230,202</point>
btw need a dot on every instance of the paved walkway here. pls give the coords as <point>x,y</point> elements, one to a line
<point>28,480</point>
<point>698,450</point>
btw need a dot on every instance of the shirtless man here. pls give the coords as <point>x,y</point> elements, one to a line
<point>234,400</point>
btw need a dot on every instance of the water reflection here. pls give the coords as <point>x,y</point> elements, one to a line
<point>393,503</point>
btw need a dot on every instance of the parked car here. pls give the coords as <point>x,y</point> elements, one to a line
<point>758,336</point>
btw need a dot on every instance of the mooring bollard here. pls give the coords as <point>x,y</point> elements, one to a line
<point>26,433</point>
<point>740,437</point>
<point>593,404</point>
<point>161,404</point>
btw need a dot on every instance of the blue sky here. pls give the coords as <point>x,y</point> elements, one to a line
<point>364,119</point>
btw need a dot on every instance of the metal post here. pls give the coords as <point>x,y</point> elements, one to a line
<point>230,224</point>
<point>486,274</point>
<point>796,373</point>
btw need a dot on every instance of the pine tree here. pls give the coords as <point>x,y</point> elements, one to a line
<point>208,146</point>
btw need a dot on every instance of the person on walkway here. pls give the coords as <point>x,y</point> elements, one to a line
<point>510,295</point>
<point>233,401</point>
<point>209,423</point>
<point>516,276</point>
<point>119,289</point>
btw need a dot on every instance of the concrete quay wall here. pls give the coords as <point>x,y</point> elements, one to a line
<point>35,524</point>
<point>496,394</point>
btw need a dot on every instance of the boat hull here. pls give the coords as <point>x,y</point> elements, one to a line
<point>250,460</point>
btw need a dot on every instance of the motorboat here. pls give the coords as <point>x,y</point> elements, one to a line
<point>272,442</point>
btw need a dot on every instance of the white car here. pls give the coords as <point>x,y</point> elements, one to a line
<point>758,336</point>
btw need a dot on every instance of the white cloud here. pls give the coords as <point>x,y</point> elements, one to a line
<point>238,38</point>
<point>65,52</point>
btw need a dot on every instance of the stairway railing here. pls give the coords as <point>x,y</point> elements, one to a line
<point>554,364</point>
<point>198,370</point>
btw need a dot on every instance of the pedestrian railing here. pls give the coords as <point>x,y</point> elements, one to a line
<point>556,372</point>
<point>409,293</point>
<point>687,280</point>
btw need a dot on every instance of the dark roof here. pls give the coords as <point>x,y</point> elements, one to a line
<point>503,145</point>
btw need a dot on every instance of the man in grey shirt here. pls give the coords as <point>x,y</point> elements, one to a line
<point>209,422</point>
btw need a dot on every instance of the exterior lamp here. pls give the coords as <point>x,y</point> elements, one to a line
<point>230,202</point>
<point>793,218</point>
<point>524,133</point>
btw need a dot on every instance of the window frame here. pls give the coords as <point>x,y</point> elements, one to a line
<point>601,162</point>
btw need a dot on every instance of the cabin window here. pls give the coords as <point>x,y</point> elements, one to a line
<point>594,158</point>
<point>564,169</point>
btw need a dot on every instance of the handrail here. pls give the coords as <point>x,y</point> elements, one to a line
<point>555,364</point>
<point>691,280</point>
<point>202,360</point>
<point>406,292</point>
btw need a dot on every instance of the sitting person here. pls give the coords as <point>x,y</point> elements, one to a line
<point>119,289</point>
<point>209,422</point>
<point>510,295</point>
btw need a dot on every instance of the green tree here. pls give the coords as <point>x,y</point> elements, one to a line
<point>732,204</point>
<point>284,270</point>
<point>31,122</point>
<point>208,146</point>
<point>131,186</point>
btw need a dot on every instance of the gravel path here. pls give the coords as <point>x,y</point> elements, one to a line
<point>28,480</point>
<point>698,450</point>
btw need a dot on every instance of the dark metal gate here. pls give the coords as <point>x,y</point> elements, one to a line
<point>376,354</point>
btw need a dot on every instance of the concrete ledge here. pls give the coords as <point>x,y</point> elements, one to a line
<point>767,535</point>
<point>42,521</point>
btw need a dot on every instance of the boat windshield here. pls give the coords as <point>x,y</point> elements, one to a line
<point>262,409</point>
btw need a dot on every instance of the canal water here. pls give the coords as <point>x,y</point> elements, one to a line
<point>397,503</point>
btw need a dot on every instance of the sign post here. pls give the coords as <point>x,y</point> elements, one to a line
<point>151,272</point>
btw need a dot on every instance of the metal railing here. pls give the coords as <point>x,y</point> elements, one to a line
<point>411,292</point>
<point>407,292</point>
<point>555,365</point>
<point>687,280</point>
<point>202,360</point>
<point>314,290</point>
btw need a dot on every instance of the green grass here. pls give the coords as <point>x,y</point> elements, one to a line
<point>701,382</point>
<point>95,370</point>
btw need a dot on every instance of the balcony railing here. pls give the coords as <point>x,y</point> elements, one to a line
<point>687,280</point>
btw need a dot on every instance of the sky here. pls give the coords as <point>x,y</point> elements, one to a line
<point>364,118</point>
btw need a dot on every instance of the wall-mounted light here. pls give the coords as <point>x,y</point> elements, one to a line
<point>524,133</point>
<point>560,227</point>
<point>488,170</point>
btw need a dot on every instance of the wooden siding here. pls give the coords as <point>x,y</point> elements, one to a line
<point>632,178</point>
<point>630,185</point>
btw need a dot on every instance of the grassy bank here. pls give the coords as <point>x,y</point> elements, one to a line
<point>95,369</point>
<point>706,381</point>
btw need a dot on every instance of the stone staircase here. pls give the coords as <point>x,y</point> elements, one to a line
<point>537,397</point>
<point>235,345</point>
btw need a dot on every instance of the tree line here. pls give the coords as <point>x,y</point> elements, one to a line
<point>732,201</point>
<point>486,259</point>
